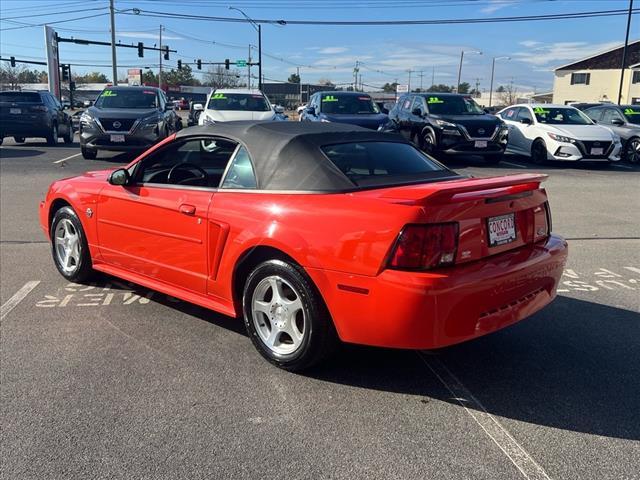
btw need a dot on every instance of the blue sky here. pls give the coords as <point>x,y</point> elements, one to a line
<point>330,52</point>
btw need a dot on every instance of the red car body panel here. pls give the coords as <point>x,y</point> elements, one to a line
<point>188,243</point>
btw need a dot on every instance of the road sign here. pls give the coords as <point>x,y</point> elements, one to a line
<point>402,88</point>
<point>241,63</point>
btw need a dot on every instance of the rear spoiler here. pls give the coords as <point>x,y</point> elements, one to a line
<point>468,189</point>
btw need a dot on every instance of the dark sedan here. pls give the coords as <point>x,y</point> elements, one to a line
<point>125,119</point>
<point>354,108</point>
<point>623,120</point>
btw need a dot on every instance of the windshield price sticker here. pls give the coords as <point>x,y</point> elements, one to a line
<point>631,111</point>
<point>434,100</point>
<point>218,96</point>
<point>540,111</point>
<point>109,93</point>
<point>329,98</point>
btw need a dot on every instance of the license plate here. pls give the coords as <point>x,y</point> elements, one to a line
<point>117,138</point>
<point>15,111</point>
<point>597,151</point>
<point>481,144</point>
<point>502,229</point>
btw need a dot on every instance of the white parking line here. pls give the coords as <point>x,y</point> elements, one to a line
<point>67,158</point>
<point>17,298</point>
<point>513,164</point>
<point>512,449</point>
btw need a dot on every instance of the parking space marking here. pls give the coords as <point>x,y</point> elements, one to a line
<point>17,298</point>
<point>67,158</point>
<point>513,164</point>
<point>494,430</point>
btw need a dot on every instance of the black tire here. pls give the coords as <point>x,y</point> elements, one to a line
<point>68,138</point>
<point>88,154</point>
<point>428,143</point>
<point>1,140</point>
<point>632,150</point>
<point>318,336</point>
<point>19,139</point>
<point>52,138</point>
<point>493,159</point>
<point>539,152</point>
<point>81,268</point>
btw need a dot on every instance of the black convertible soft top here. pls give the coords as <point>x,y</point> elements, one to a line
<point>287,155</point>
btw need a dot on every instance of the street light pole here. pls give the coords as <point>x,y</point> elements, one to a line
<point>493,68</point>
<point>624,53</point>
<point>258,28</point>
<point>460,67</point>
<point>114,63</point>
<point>160,69</point>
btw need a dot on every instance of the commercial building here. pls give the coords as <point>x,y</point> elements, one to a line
<point>597,78</point>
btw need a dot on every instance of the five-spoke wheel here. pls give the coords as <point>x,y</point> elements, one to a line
<point>69,246</point>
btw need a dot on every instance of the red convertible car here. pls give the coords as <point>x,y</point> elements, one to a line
<point>314,233</point>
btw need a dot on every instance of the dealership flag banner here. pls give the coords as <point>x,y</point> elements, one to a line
<point>52,60</point>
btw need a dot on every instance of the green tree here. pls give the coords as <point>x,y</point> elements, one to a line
<point>92,77</point>
<point>390,87</point>
<point>174,78</point>
<point>439,88</point>
<point>150,78</point>
<point>464,87</point>
<point>294,78</point>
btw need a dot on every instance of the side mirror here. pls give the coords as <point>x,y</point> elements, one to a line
<point>278,109</point>
<point>526,121</point>
<point>417,112</point>
<point>617,121</point>
<point>119,177</point>
<point>311,111</point>
<point>198,106</point>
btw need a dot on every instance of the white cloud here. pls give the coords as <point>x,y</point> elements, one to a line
<point>560,52</point>
<point>495,5</point>
<point>332,50</point>
<point>529,43</point>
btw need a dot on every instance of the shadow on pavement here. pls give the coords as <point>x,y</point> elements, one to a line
<point>19,152</point>
<point>574,366</point>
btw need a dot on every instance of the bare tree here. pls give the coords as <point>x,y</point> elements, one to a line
<point>10,76</point>
<point>508,95</point>
<point>219,77</point>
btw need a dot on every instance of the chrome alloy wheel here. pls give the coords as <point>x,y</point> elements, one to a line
<point>278,315</point>
<point>633,151</point>
<point>67,245</point>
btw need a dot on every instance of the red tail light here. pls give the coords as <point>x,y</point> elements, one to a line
<point>422,247</point>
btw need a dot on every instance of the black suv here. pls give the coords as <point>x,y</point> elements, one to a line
<point>33,114</point>
<point>125,119</point>
<point>448,123</point>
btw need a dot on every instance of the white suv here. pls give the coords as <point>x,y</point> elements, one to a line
<point>228,105</point>
<point>558,132</point>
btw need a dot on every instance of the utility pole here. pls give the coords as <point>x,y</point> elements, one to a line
<point>460,67</point>
<point>356,69</point>
<point>433,75</point>
<point>249,68</point>
<point>260,57</point>
<point>493,69</point>
<point>160,70</point>
<point>477,87</point>
<point>421,75</point>
<point>624,53</point>
<point>299,84</point>
<point>409,84</point>
<point>114,63</point>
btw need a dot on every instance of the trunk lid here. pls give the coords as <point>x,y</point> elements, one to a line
<point>489,211</point>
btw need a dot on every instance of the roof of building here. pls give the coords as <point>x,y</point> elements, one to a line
<point>287,155</point>
<point>609,59</point>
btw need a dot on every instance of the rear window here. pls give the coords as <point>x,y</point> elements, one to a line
<point>18,97</point>
<point>384,163</point>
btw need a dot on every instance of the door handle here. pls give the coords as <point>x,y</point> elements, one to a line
<point>187,209</point>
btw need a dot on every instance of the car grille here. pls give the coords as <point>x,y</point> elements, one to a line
<point>480,131</point>
<point>588,145</point>
<point>116,124</point>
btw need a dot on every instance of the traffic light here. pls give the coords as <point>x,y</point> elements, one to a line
<point>226,64</point>
<point>140,49</point>
<point>199,64</point>
<point>65,72</point>
<point>72,85</point>
<point>166,52</point>
<point>13,61</point>
<point>179,64</point>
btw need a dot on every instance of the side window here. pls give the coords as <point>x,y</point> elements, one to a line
<point>162,100</point>
<point>240,173</point>
<point>418,103</point>
<point>406,103</point>
<point>524,112</point>
<point>594,113</point>
<point>609,115</point>
<point>510,114</point>
<point>197,162</point>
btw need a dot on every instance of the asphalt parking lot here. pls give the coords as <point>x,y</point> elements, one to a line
<point>109,380</point>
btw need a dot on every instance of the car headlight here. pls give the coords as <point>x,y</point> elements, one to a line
<point>150,122</point>
<point>561,138</point>
<point>86,120</point>
<point>444,123</point>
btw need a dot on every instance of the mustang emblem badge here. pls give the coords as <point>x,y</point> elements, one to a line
<point>89,213</point>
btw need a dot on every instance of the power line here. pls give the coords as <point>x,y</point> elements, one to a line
<point>55,13</point>
<point>31,25</point>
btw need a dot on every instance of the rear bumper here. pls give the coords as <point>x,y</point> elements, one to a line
<point>35,129</point>
<point>432,310</point>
